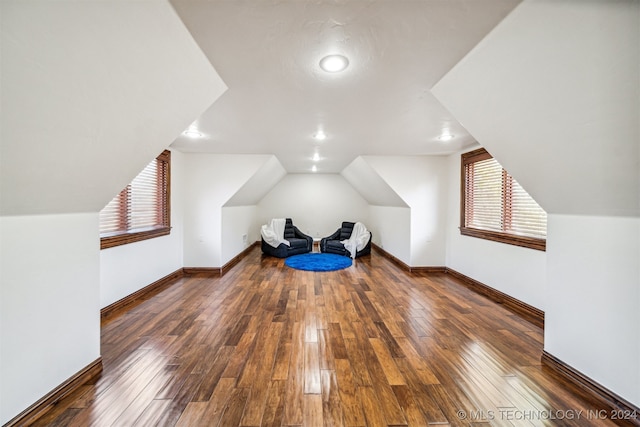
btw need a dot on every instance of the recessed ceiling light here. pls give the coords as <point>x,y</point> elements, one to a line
<point>316,157</point>
<point>314,168</point>
<point>334,63</point>
<point>320,135</point>
<point>445,137</point>
<point>191,133</point>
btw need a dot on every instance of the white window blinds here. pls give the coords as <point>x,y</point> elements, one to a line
<point>494,201</point>
<point>143,205</point>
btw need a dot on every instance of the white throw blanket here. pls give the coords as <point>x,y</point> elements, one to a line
<point>273,233</point>
<point>358,240</point>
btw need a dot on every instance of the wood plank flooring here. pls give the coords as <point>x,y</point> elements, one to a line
<point>370,345</point>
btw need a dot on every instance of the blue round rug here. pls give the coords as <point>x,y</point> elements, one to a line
<point>318,262</point>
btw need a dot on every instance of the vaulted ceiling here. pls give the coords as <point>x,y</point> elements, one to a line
<point>268,55</point>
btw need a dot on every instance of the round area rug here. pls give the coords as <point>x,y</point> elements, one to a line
<point>318,262</point>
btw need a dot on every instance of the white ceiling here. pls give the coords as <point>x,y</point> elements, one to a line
<point>267,52</point>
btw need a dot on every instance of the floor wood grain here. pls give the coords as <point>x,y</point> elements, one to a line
<point>370,345</point>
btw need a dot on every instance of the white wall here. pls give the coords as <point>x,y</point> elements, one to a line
<point>128,268</point>
<point>421,181</point>
<point>49,304</point>
<point>592,319</point>
<point>259,184</point>
<point>518,272</point>
<point>91,81</point>
<point>559,109</point>
<point>553,94</point>
<point>317,203</point>
<point>391,228</point>
<point>370,184</point>
<point>210,180</point>
<point>237,222</point>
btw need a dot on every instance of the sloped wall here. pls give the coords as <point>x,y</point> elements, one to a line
<point>90,93</point>
<point>553,92</point>
<point>265,178</point>
<point>211,180</point>
<point>240,226</point>
<point>421,182</point>
<point>389,215</point>
<point>370,185</point>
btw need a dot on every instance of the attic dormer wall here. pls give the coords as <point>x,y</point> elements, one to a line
<point>421,182</point>
<point>559,89</point>
<point>126,269</point>
<point>553,93</point>
<point>210,181</point>
<point>91,92</point>
<point>317,203</point>
<point>516,271</point>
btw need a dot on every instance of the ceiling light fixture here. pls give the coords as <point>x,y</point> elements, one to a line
<point>192,133</point>
<point>316,157</point>
<point>320,135</point>
<point>334,63</point>
<point>445,137</point>
<point>314,168</point>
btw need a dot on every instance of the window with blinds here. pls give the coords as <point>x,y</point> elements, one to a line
<point>496,207</point>
<point>142,210</point>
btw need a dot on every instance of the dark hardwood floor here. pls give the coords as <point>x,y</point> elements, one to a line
<point>370,345</point>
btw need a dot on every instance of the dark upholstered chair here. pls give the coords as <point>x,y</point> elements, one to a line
<point>331,244</point>
<point>299,242</point>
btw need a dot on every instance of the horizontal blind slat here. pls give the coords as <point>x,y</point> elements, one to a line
<point>496,205</point>
<point>143,203</point>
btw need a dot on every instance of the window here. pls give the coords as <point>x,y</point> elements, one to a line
<point>142,210</point>
<point>496,207</point>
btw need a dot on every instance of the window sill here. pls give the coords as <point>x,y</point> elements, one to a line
<point>510,239</point>
<point>118,239</point>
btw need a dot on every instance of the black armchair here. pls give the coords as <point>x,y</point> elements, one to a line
<point>299,242</point>
<point>331,244</point>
